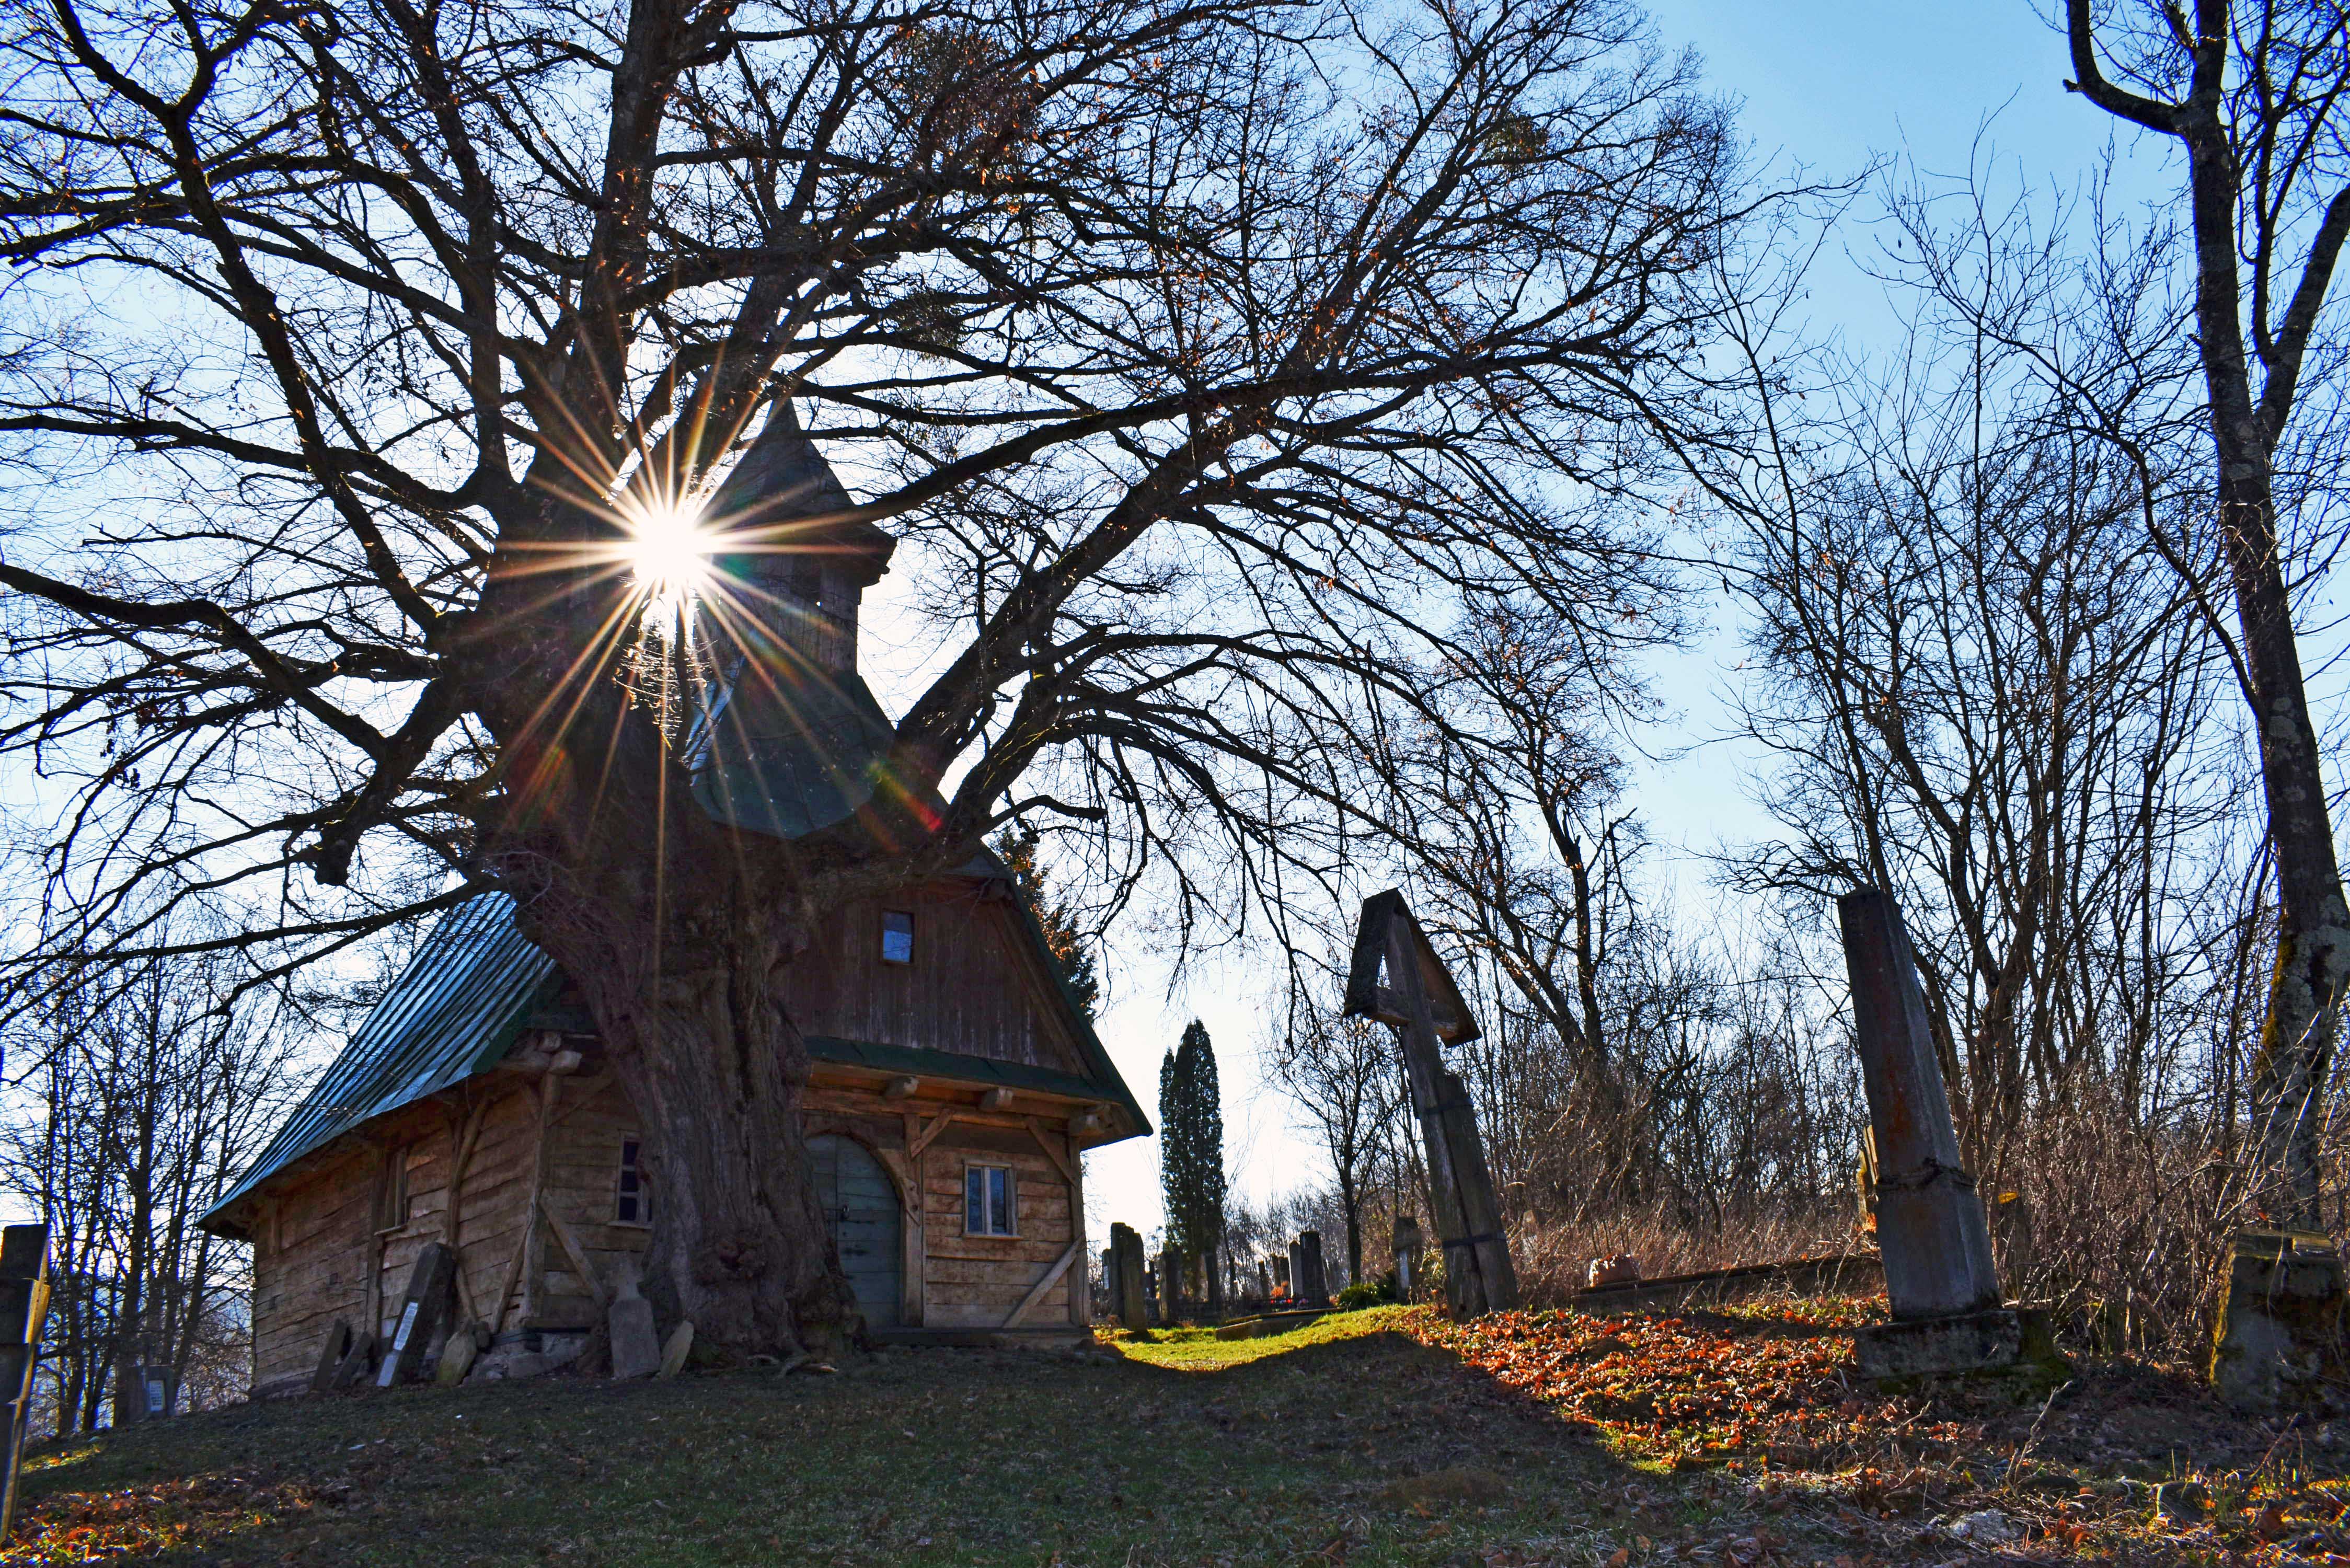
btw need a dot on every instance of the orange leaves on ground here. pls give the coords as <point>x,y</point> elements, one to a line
<point>136,1523</point>
<point>1694,1388</point>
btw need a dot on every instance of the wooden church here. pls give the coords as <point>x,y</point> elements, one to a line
<point>956,1085</point>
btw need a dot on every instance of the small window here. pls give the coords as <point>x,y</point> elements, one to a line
<point>990,1204</point>
<point>897,937</point>
<point>391,1189</point>
<point>631,1204</point>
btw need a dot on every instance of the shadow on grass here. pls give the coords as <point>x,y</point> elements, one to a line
<point>1369,1447</point>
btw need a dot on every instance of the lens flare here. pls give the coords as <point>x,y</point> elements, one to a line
<point>669,551</point>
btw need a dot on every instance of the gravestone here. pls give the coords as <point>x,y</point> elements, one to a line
<point>676,1350</point>
<point>1317,1288</point>
<point>1171,1284</point>
<point>431,1288</point>
<point>1930,1228</point>
<point>1407,1247</point>
<point>636,1348</point>
<point>2278,1341</point>
<point>1297,1274</point>
<point>1127,1302</point>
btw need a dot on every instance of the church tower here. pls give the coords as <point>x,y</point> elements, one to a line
<point>804,564</point>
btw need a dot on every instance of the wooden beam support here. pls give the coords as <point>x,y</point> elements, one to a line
<point>929,1135</point>
<point>575,1252</point>
<point>1036,1130</point>
<point>1037,1292</point>
<point>513,1278</point>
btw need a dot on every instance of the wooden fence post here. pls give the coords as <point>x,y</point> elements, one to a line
<point>23,1309</point>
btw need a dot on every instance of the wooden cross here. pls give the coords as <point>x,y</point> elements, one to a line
<point>23,1307</point>
<point>1398,979</point>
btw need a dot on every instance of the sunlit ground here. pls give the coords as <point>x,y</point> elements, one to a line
<point>1372,1437</point>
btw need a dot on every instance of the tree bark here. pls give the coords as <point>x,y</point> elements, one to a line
<point>688,996</point>
<point>2294,1056</point>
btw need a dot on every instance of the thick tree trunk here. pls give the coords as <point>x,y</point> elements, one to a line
<point>692,1012</point>
<point>2295,1057</point>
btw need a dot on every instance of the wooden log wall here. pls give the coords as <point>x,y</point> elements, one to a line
<point>975,1281</point>
<point>974,987</point>
<point>533,1207</point>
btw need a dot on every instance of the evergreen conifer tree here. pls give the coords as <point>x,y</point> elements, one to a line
<point>1191,1152</point>
<point>1016,848</point>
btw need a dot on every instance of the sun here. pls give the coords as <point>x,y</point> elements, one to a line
<point>669,551</point>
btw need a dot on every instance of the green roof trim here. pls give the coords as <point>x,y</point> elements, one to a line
<point>923,1062</point>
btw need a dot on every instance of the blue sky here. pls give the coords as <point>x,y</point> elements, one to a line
<point>1832,86</point>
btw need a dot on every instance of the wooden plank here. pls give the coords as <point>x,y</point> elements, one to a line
<point>1036,1130</point>
<point>574,1252</point>
<point>1051,1276</point>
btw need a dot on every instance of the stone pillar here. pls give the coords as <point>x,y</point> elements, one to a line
<point>1408,1245</point>
<point>1127,1298</point>
<point>1316,1289</point>
<point>1929,1218</point>
<point>1931,1227</point>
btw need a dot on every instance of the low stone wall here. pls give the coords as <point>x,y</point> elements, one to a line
<point>1849,1273</point>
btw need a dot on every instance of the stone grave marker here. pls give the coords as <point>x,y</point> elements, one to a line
<point>1930,1228</point>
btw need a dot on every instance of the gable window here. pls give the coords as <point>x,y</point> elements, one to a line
<point>897,937</point>
<point>631,1204</point>
<point>990,1202</point>
<point>391,1189</point>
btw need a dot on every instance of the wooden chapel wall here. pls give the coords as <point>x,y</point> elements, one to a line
<point>974,987</point>
<point>948,1279</point>
<point>316,1253</point>
<point>316,1260</point>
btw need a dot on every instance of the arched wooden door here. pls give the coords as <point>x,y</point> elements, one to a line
<point>860,1210</point>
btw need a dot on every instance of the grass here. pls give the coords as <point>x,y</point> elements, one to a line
<point>1384,1437</point>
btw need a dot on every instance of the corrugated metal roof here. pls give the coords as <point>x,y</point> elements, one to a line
<point>453,1012</point>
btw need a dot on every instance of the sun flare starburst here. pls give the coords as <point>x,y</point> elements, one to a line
<point>668,550</point>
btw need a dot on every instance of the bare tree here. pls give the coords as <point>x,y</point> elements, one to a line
<point>1214,359</point>
<point>145,1104</point>
<point>1347,1081</point>
<point>2251,93</point>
